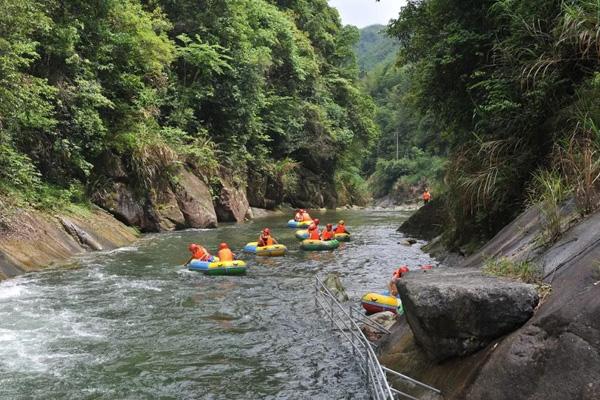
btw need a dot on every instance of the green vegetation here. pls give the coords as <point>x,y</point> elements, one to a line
<point>410,154</point>
<point>524,271</point>
<point>375,48</point>
<point>128,90</point>
<point>510,89</point>
<point>548,194</point>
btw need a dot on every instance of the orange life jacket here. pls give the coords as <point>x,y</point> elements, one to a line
<point>340,229</point>
<point>327,235</point>
<point>426,196</point>
<point>306,217</point>
<point>200,253</point>
<point>225,255</point>
<point>265,241</point>
<point>314,235</point>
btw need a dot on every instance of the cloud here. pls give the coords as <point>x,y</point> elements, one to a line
<point>367,12</point>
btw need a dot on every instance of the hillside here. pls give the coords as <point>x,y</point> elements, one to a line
<point>374,47</point>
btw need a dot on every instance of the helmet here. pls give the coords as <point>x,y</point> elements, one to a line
<point>192,247</point>
<point>267,231</point>
<point>312,227</point>
<point>404,269</point>
<point>329,226</point>
<point>223,246</point>
<point>316,221</point>
<point>341,222</point>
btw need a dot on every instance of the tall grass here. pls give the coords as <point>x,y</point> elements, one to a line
<point>525,271</point>
<point>548,192</point>
<point>580,162</point>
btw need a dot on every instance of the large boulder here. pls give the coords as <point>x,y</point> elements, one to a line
<point>195,201</point>
<point>128,208</point>
<point>232,204</point>
<point>263,191</point>
<point>457,312</point>
<point>556,355</point>
<point>427,222</point>
<point>169,215</point>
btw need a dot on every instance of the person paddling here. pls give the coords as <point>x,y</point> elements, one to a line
<point>341,227</point>
<point>224,253</point>
<point>398,273</point>
<point>198,253</point>
<point>328,233</point>
<point>265,238</point>
<point>313,232</point>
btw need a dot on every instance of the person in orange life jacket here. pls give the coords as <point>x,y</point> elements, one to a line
<point>313,232</point>
<point>224,253</point>
<point>198,253</point>
<point>426,196</point>
<point>398,273</point>
<point>298,216</point>
<point>265,238</point>
<point>328,233</point>
<point>305,216</point>
<point>341,227</point>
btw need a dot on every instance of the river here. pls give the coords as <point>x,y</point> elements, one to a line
<point>134,324</point>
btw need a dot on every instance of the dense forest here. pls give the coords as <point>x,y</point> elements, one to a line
<point>409,154</point>
<point>94,93</point>
<point>511,87</point>
<point>493,103</point>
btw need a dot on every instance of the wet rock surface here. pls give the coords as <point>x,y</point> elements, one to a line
<point>195,201</point>
<point>33,239</point>
<point>427,222</point>
<point>455,313</point>
<point>232,204</point>
<point>335,286</point>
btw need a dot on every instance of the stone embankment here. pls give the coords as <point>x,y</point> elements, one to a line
<point>480,337</point>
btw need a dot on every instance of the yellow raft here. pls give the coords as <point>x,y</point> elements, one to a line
<point>342,237</point>
<point>274,250</point>
<point>378,302</point>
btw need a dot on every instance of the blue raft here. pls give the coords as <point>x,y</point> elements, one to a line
<point>301,224</point>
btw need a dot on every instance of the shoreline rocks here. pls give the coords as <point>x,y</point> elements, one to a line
<point>453,313</point>
<point>33,239</point>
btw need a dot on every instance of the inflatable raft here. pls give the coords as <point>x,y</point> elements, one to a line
<point>236,267</point>
<point>378,302</point>
<point>295,224</point>
<point>301,234</point>
<point>317,245</point>
<point>275,250</point>
<point>342,237</point>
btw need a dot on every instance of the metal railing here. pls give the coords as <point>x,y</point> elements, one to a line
<point>346,321</point>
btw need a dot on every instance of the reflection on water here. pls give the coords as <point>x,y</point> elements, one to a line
<point>134,324</point>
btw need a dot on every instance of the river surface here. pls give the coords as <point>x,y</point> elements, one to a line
<point>134,324</point>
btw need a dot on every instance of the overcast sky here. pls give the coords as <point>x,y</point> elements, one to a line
<point>363,13</point>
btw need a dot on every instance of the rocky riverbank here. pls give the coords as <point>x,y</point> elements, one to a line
<point>480,337</point>
<point>31,240</point>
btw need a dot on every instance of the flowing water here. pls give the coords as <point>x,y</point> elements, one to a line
<point>134,324</point>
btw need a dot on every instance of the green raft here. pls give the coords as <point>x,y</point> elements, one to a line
<point>318,245</point>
